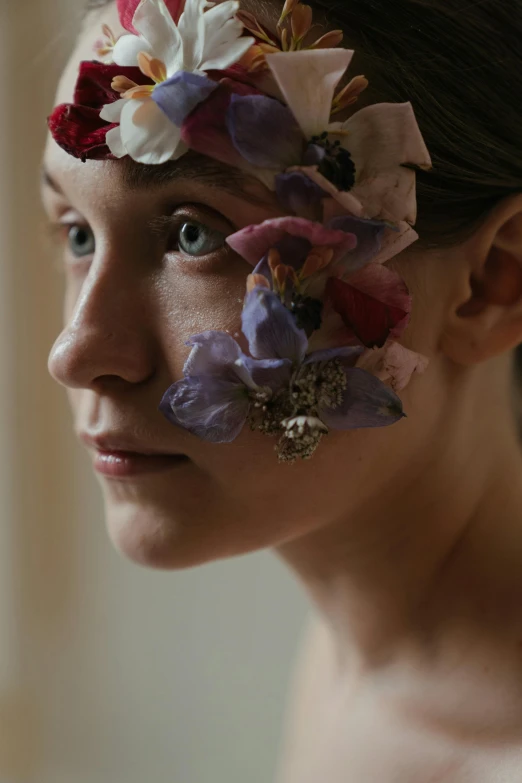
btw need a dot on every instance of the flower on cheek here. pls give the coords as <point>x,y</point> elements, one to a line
<point>220,387</point>
<point>280,390</point>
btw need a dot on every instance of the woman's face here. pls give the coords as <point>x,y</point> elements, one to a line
<point>138,286</point>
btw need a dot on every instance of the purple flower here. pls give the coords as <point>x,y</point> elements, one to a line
<point>280,389</point>
<point>220,385</point>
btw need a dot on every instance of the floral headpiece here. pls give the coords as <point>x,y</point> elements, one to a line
<point>322,314</point>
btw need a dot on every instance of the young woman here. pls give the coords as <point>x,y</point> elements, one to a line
<point>407,537</point>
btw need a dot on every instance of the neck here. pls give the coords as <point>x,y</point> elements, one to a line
<point>386,578</point>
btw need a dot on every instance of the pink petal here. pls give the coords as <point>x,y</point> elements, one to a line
<point>308,80</point>
<point>127,9</point>
<point>394,240</point>
<point>253,242</point>
<point>393,363</point>
<point>381,138</point>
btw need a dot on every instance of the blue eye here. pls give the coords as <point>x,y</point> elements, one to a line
<point>81,241</point>
<point>196,239</point>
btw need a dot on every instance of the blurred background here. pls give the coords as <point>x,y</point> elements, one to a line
<point>109,673</point>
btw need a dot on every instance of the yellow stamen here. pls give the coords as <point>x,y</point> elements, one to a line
<point>301,22</point>
<point>274,259</point>
<point>350,93</point>
<point>280,274</point>
<point>122,84</point>
<point>152,67</point>
<point>254,281</point>
<point>287,9</point>
<point>318,258</point>
<point>139,93</point>
<point>109,34</point>
<point>328,40</point>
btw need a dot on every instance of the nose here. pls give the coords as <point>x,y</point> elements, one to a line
<point>107,336</point>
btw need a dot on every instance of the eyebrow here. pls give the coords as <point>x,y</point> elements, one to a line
<point>192,166</point>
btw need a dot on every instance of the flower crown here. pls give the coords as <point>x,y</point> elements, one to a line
<point>322,314</point>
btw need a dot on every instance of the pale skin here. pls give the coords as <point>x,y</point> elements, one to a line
<point>408,539</point>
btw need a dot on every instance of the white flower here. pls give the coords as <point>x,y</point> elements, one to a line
<point>206,37</point>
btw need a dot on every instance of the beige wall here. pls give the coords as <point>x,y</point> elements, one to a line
<point>108,673</point>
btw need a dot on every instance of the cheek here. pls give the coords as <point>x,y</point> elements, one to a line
<point>194,298</point>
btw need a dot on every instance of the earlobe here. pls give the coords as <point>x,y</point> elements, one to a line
<point>488,320</point>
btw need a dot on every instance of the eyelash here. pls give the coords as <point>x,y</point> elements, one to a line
<point>167,228</point>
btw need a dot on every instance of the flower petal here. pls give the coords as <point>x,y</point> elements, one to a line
<point>345,198</point>
<point>205,131</point>
<point>252,119</point>
<point>347,354</point>
<point>127,9</point>
<point>147,134</point>
<point>192,31</point>
<point>208,406</point>
<point>111,112</point>
<point>114,142</point>
<point>127,48</point>
<point>369,235</point>
<point>395,241</point>
<point>254,242</point>
<point>270,328</point>
<point>308,80</point>
<point>374,302</point>
<point>274,373</point>
<point>155,24</point>
<point>367,403</point>
<point>393,363</point>
<point>224,41</point>
<point>178,96</point>
<point>381,138</point>
<point>298,193</point>
<point>213,353</point>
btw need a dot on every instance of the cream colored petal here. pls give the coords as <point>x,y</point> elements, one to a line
<point>147,134</point>
<point>380,138</point>
<point>127,49</point>
<point>114,143</point>
<point>155,24</point>
<point>308,80</point>
<point>111,112</point>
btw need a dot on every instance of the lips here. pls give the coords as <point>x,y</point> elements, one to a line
<point>121,456</point>
<point>114,443</point>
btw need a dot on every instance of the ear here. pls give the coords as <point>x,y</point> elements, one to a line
<point>485,317</point>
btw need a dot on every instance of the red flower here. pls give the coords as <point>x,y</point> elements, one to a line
<point>77,127</point>
<point>374,304</point>
<point>127,9</point>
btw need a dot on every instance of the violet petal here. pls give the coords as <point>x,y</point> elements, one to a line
<point>274,373</point>
<point>178,96</point>
<point>297,193</point>
<point>367,402</point>
<point>207,406</point>
<point>347,354</point>
<point>252,120</point>
<point>369,239</point>
<point>270,328</point>
<point>213,353</point>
